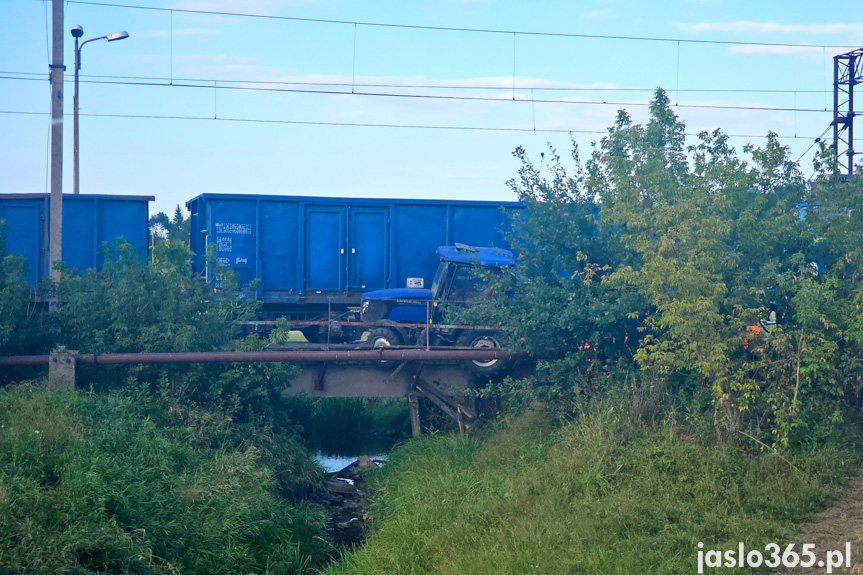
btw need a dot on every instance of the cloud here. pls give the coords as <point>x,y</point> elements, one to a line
<point>778,51</point>
<point>772,28</point>
<point>223,66</point>
<point>598,14</point>
<point>566,115</point>
<point>705,2</point>
<point>178,33</point>
<point>263,7</point>
<point>251,70</point>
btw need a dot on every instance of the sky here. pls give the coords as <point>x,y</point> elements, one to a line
<point>238,104</point>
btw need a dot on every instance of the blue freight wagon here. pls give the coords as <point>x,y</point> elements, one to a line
<point>88,221</point>
<point>314,255</point>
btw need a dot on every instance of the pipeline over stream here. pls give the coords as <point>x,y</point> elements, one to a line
<point>380,354</point>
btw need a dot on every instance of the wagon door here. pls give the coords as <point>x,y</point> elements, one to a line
<point>369,243</point>
<point>325,249</point>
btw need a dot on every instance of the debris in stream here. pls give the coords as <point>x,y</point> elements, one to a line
<point>346,501</point>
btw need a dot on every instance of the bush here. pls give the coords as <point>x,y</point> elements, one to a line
<point>22,326</point>
<point>132,306</point>
<point>702,271</point>
<point>125,483</point>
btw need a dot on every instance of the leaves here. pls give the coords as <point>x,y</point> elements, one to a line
<point>22,329</point>
<point>704,268</point>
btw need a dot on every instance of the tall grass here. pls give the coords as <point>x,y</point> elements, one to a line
<point>590,497</point>
<point>124,483</point>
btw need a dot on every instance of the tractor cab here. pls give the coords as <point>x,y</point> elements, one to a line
<point>415,316</point>
<point>459,280</point>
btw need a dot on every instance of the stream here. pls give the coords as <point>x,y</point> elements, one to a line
<point>344,495</point>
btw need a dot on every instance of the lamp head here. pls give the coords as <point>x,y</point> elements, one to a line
<point>117,36</point>
<point>77,31</point>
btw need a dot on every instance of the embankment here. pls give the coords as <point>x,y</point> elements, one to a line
<point>592,496</point>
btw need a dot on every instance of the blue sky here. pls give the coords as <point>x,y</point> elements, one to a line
<point>176,160</point>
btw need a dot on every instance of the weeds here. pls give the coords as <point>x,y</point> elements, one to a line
<point>116,483</point>
<point>592,496</point>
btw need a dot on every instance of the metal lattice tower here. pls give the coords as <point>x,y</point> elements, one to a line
<point>847,72</point>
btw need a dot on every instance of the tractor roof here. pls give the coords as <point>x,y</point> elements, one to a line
<point>486,257</point>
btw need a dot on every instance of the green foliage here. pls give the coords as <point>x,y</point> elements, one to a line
<point>599,495</point>
<point>126,483</point>
<point>22,327</point>
<point>701,272</point>
<point>175,228</point>
<point>559,302</point>
<point>14,296</point>
<point>722,247</point>
<point>130,306</point>
<point>557,306</point>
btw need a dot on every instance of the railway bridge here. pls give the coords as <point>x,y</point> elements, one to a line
<point>325,371</point>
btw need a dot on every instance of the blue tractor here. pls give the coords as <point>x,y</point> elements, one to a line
<point>423,316</point>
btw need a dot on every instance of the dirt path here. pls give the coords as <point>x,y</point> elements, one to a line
<point>833,527</point>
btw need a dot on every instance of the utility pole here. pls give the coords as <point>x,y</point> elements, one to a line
<point>77,32</point>
<point>55,245</point>
<point>847,72</point>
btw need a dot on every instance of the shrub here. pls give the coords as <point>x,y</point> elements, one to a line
<point>125,483</point>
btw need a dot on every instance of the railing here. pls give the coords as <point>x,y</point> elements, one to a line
<point>431,325</point>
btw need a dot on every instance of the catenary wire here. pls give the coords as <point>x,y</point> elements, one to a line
<point>814,141</point>
<point>454,28</point>
<point>370,125</point>
<point>434,86</point>
<point>175,84</point>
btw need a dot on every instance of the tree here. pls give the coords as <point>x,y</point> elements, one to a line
<point>704,265</point>
<point>557,307</point>
<point>165,228</point>
<point>132,306</point>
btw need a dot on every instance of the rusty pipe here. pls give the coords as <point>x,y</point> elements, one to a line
<point>25,360</point>
<point>381,354</point>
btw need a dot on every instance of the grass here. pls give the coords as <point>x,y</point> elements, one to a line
<point>590,497</point>
<point>129,483</point>
<point>124,483</point>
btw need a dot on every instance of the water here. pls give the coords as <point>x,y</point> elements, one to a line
<point>333,463</point>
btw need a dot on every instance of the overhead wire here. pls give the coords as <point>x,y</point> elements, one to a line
<point>176,84</point>
<point>150,81</point>
<point>370,125</point>
<point>453,28</point>
<point>814,141</point>
<point>438,86</point>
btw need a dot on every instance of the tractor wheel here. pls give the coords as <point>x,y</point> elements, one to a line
<point>383,337</point>
<point>313,334</point>
<point>481,340</point>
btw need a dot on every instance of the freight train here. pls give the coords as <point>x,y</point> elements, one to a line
<point>88,222</point>
<point>313,257</point>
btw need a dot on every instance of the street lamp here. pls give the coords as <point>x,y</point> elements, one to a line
<point>77,32</point>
